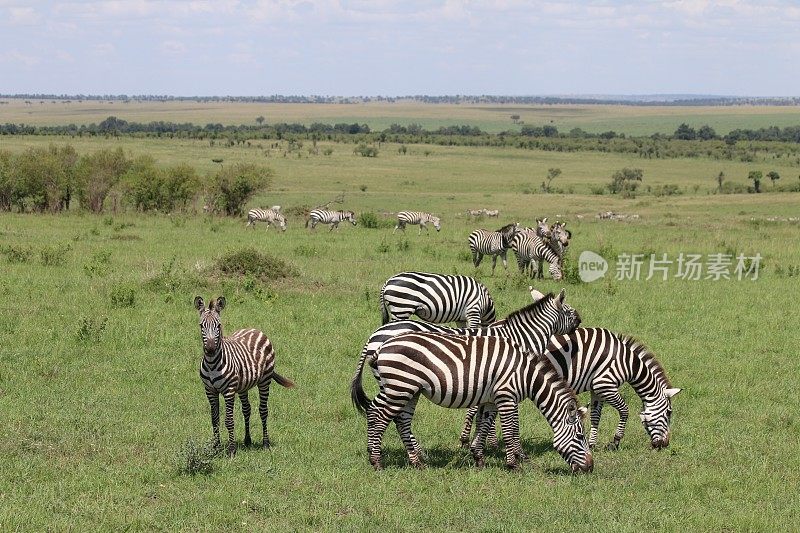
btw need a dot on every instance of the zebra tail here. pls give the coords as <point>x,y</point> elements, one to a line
<point>357,394</point>
<point>282,381</point>
<point>307,221</point>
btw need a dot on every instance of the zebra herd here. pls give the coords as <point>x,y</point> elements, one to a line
<point>487,366</point>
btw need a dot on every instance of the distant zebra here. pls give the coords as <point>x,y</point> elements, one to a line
<point>270,216</point>
<point>321,216</point>
<point>458,371</point>
<point>494,213</point>
<point>529,249</point>
<point>232,365</point>
<point>601,361</point>
<point>436,298</point>
<point>416,217</point>
<point>494,243</point>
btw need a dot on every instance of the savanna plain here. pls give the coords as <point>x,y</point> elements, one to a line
<point>100,349</point>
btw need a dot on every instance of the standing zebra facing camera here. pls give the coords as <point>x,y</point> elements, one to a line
<point>416,217</point>
<point>457,371</point>
<point>270,216</point>
<point>530,249</point>
<point>436,298</point>
<point>322,216</point>
<point>494,243</point>
<point>233,365</point>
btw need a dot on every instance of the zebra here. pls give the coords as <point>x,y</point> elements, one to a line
<point>458,371</point>
<point>321,216</point>
<point>530,248</point>
<point>233,365</point>
<point>436,298</point>
<point>601,361</point>
<point>270,216</point>
<point>416,217</point>
<point>530,327</point>
<point>494,243</point>
<point>542,229</point>
<point>557,238</point>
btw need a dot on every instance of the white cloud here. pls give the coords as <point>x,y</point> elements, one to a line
<point>23,16</point>
<point>103,49</point>
<point>15,56</point>
<point>173,48</point>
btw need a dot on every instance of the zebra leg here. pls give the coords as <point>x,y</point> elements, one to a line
<point>379,414</point>
<point>246,414</point>
<point>505,261</point>
<point>613,398</point>
<point>477,257</point>
<point>597,409</point>
<point>334,226</point>
<point>494,263</point>
<point>485,416</point>
<point>509,421</point>
<point>492,435</point>
<point>466,430</point>
<point>403,423</point>
<point>540,270</point>
<point>230,396</point>
<point>213,400</point>
<point>263,410</point>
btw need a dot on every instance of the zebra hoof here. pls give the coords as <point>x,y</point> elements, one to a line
<point>523,457</point>
<point>266,444</point>
<point>248,441</point>
<point>513,467</point>
<point>479,462</point>
<point>465,443</point>
<point>231,450</point>
<point>612,446</point>
<point>376,463</point>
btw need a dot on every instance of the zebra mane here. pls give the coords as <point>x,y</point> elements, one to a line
<point>648,359</point>
<point>504,228</point>
<point>560,384</point>
<point>530,308</point>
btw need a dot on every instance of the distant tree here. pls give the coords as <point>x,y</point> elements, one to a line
<point>514,118</point>
<point>685,132</point>
<point>720,179</point>
<point>773,176</point>
<point>756,176</point>
<point>626,181</point>
<point>260,120</point>
<point>552,174</point>
<point>97,174</point>
<point>232,187</point>
<point>706,133</point>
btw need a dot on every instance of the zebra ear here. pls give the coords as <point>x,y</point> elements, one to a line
<point>582,411</point>
<point>199,304</point>
<point>536,295</point>
<point>671,392</point>
<point>220,304</point>
<point>559,300</point>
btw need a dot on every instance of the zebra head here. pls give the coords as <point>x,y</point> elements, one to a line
<point>436,223</point>
<point>656,417</point>
<point>281,221</point>
<point>542,229</point>
<point>210,323</point>
<point>508,232</point>
<point>568,438</point>
<point>561,234</point>
<point>567,318</point>
<point>349,215</point>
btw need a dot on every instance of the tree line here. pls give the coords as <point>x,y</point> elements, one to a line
<point>56,178</point>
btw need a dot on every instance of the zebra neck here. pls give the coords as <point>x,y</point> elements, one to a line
<point>529,330</point>
<point>644,382</point>
<point>545,387</point>
<point>216,359</point>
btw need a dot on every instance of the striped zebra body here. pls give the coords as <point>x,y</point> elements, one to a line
<point>601,361</point>
<point>322,216</point>
<point>270,216</point>
<point>233,365</point>
<point>416,217</point>
<point>530,248</point>
<point>436,298</point>
<point>457,371</point>
<point>493,243</point>
<point>558,240</point>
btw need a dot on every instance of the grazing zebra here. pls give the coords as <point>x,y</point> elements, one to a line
<point>529,248</point>
<point>270,216</point>
<point>601,361</point>
<point>457,371</point>
<point>321,216</point>
<point>416,217</point>
<point>494,213</point>
<point>233,365</point>
<point>494,243</point>
<point>436,298</point>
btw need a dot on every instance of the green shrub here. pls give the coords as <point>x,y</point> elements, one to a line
<point>54,255</point>
<point>365,150</point>
<point>91,329</point>
<point>250,262</point>
<point>233,186</point>
<point>371,220</point>
<point>123,296</point>
<point>195,457</point>
<point>18,254</point>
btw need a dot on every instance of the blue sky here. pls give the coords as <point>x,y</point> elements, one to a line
<point>361,47</point>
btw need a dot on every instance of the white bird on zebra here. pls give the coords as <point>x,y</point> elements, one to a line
<point>436,298</point>
<point>416,217</point>
<point>270,216</point>
<point>457,371</point>
<point>233,365</point>
<point>323,216</point>
<point>601,361</point>
<point>493,243</point>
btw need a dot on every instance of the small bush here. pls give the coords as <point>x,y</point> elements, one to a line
<point>569,269</point>
<point>383,247</point>
<point>172,278</point>
<point>54,255</point>
<point>365,150</point>
<point>123,296</point>
<point>18,254</point>
<point>327,151</point>
<point>91,329</point>
<point>403,245</point>
<point>371,220</point>
<point>301,211</point>
<point>597,189</point>
<point>233,186</point>
<point>195,458</point>
<point>362,188</point>
<point>252,263</point>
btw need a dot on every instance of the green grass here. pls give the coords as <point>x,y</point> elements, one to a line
<point>631,120</point>
<point>100,391</point>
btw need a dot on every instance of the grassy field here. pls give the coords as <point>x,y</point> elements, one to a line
<point>100,391</point>
<point>631,120</point>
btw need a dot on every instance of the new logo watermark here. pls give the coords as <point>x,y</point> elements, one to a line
<point>693,267</point>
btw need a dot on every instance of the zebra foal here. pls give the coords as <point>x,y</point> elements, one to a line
<point>233,365</point>
<point>416,217</point>
<point>322,216</point>
<point>270,216</point>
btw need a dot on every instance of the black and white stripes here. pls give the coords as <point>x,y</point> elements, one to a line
<point>232,365</point>
<point>322,216</point>
<point>493,243</point>
<point>530,249</point>
<point>416,217</point>
<point>270,216</point>
<point>436,298</point>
